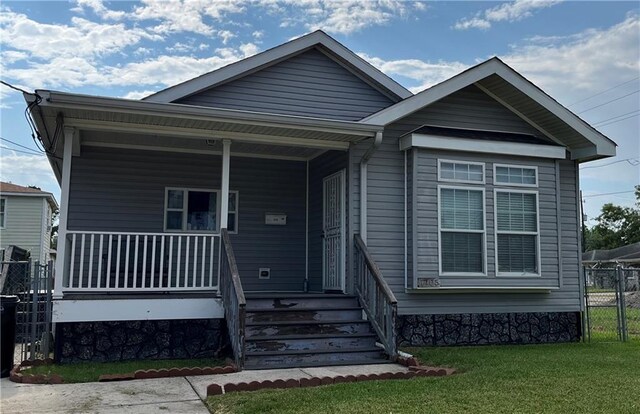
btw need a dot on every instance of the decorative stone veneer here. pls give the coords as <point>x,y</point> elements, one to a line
<point>129,340</point>
<point>488,328</point>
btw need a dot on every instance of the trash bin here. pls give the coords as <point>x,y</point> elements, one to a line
<point>8,306</point>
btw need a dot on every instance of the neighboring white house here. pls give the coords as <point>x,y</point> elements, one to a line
<point>26,219</point>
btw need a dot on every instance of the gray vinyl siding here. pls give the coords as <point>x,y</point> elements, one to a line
<point>23,225</point>
<point>124,190</point>
<point>319,168</point>
<point>469,108</point>
<point>309,84</point>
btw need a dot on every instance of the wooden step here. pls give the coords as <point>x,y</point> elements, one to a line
<point>300,302</point>
<point>266,360</point>
<point>292,315</point>
<point>310,342</point>
<point>335,327</point>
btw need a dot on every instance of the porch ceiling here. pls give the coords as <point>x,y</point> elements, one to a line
<point>193,145</point>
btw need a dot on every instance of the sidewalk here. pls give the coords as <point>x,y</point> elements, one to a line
<point>162,395</point>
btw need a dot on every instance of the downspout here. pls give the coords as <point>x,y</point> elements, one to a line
<point>377,141</point>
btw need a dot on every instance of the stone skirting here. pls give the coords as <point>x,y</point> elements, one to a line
<point>131,340</point>
<point>488,328</point>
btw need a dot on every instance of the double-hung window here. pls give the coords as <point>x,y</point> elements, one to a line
<point>197,210</point>
<point>462,230</point>
<point>517,233</point>
<point>517,221</point>
<point>3,212</point>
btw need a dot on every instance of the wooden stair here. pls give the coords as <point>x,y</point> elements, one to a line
<point>306,330</point>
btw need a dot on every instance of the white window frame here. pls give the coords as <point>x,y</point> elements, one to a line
<point>184,209</point>
<point>3,224</point>
<point>529,233</point>
<point>529,167</point>
<point>454,180</point>
<point>484,231</point>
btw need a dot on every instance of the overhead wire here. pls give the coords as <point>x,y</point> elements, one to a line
<point>40,154</point>
<point>603,92</point>
<point>631,161</point>
<point>19,145</point>
<point>608,102</point>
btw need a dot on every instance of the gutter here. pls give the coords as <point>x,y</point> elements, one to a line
<point>61,100</point>
<point>377,141</point>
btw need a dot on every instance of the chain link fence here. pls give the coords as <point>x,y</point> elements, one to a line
<point>612,296</point>
<point>32,283</point>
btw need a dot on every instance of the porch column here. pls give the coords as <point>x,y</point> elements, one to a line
<point>61,262</point>
<point>224,208</point>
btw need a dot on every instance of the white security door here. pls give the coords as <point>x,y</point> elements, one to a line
<point>333,231</point>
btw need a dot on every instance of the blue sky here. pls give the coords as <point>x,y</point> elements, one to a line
<point>584,54</point>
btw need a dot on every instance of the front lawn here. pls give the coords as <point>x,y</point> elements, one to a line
<point>556,378</point>
<point>90,371</point>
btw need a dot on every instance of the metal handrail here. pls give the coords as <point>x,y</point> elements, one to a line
<point>377,299</point>
<point>233,299</point>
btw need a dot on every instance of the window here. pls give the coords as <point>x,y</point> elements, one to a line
<point>462,230</point>
<point>517,233</point>
<point>3,212</point>
<point>515,175</point>
<point>462,172</point>
<point>195,210</point>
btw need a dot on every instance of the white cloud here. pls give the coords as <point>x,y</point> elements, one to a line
<point>27,170</point>
<point>226,35</point>
<point>586,62</point>
<point>138,94</point>
<point>339,16</point>
<point>510,11</point>
<point>99,9</point>
<point>81,38</point>
<point>163,70</point>
<point>426,74</point>
<point>186,15</point>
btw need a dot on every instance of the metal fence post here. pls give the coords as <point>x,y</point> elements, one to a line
<point>622,304</point>
<point>586,321</point>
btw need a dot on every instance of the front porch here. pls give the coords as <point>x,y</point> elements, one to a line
<point>166,211</point>
<point>158,230</point>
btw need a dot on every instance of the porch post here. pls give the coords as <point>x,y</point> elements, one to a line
<point>224,208</point>
<point>61,262</point>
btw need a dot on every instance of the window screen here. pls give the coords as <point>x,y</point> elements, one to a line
<point>517,232</point>
<point>461,230</point>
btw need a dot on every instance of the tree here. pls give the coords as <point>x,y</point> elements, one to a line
<point>616,226</point>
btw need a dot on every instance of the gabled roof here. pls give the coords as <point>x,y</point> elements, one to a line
<point>521,96</point>
<point>333,48</point>
<point>18,190</point>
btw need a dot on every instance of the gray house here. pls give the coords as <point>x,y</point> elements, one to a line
<point>26,219</point>
<point>305,209</point>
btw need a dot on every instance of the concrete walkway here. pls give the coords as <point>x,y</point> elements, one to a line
<point>162,395</point>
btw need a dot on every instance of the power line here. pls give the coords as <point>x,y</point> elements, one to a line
<point>608,102</point>
<point>605,194</point>
<point>605,91</point>
<point>619,120</point>
<point>19,145</point>
<point>614,117</point>
<point>632,161</point>
<point>26,152</point>
<point>15,88</point>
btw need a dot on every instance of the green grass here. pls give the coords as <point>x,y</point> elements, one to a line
<point>555,378</point>
<point>90,371</point>
<point>604,323</point>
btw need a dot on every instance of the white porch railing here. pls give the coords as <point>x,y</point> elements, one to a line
<point>99,261</point>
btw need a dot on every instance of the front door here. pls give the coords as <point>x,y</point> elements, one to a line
<point>333,231</point>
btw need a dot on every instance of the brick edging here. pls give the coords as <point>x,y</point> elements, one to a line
<point>21,376</point>
<point>414,371</point>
